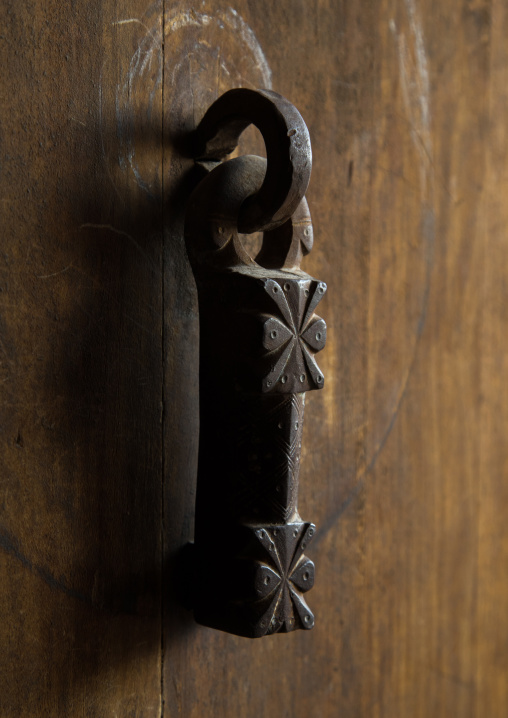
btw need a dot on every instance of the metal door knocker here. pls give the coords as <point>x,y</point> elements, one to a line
<point>258,339</point>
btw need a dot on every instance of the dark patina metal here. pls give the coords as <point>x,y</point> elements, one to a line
<point>258,339</point>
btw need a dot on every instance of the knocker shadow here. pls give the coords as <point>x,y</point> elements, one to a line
<point>125,371</point>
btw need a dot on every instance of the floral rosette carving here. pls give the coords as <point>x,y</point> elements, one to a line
<point>281,580</point>
<point>294,336</point>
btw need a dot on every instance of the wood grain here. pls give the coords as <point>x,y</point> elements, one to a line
<point>81,375</point>
<point>404,457</point>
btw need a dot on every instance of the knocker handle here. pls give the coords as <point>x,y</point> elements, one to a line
<point>259,335</point>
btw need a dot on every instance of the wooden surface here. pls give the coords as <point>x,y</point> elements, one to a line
<point>405,455</point>
<point>80,397</point>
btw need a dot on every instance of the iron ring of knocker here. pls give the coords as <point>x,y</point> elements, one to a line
<point>258,339</point>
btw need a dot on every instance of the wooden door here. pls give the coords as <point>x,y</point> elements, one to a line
<point>405,455</point>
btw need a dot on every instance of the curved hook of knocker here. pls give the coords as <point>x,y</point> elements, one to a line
<point>288,150</point>
<point>259,335</point>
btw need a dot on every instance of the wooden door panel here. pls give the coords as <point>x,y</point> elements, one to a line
<point>404,457</point>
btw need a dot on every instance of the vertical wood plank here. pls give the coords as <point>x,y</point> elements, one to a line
<point>403,452</point>
<point>492,591</point>
<point>80,307</point>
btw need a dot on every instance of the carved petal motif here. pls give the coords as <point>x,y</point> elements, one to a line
<point>266,581</point>
<point>315,335</point>
<point>303,575</point>
<point>275,334</point>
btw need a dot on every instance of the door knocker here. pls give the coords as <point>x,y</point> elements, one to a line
<point>259,335</point>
